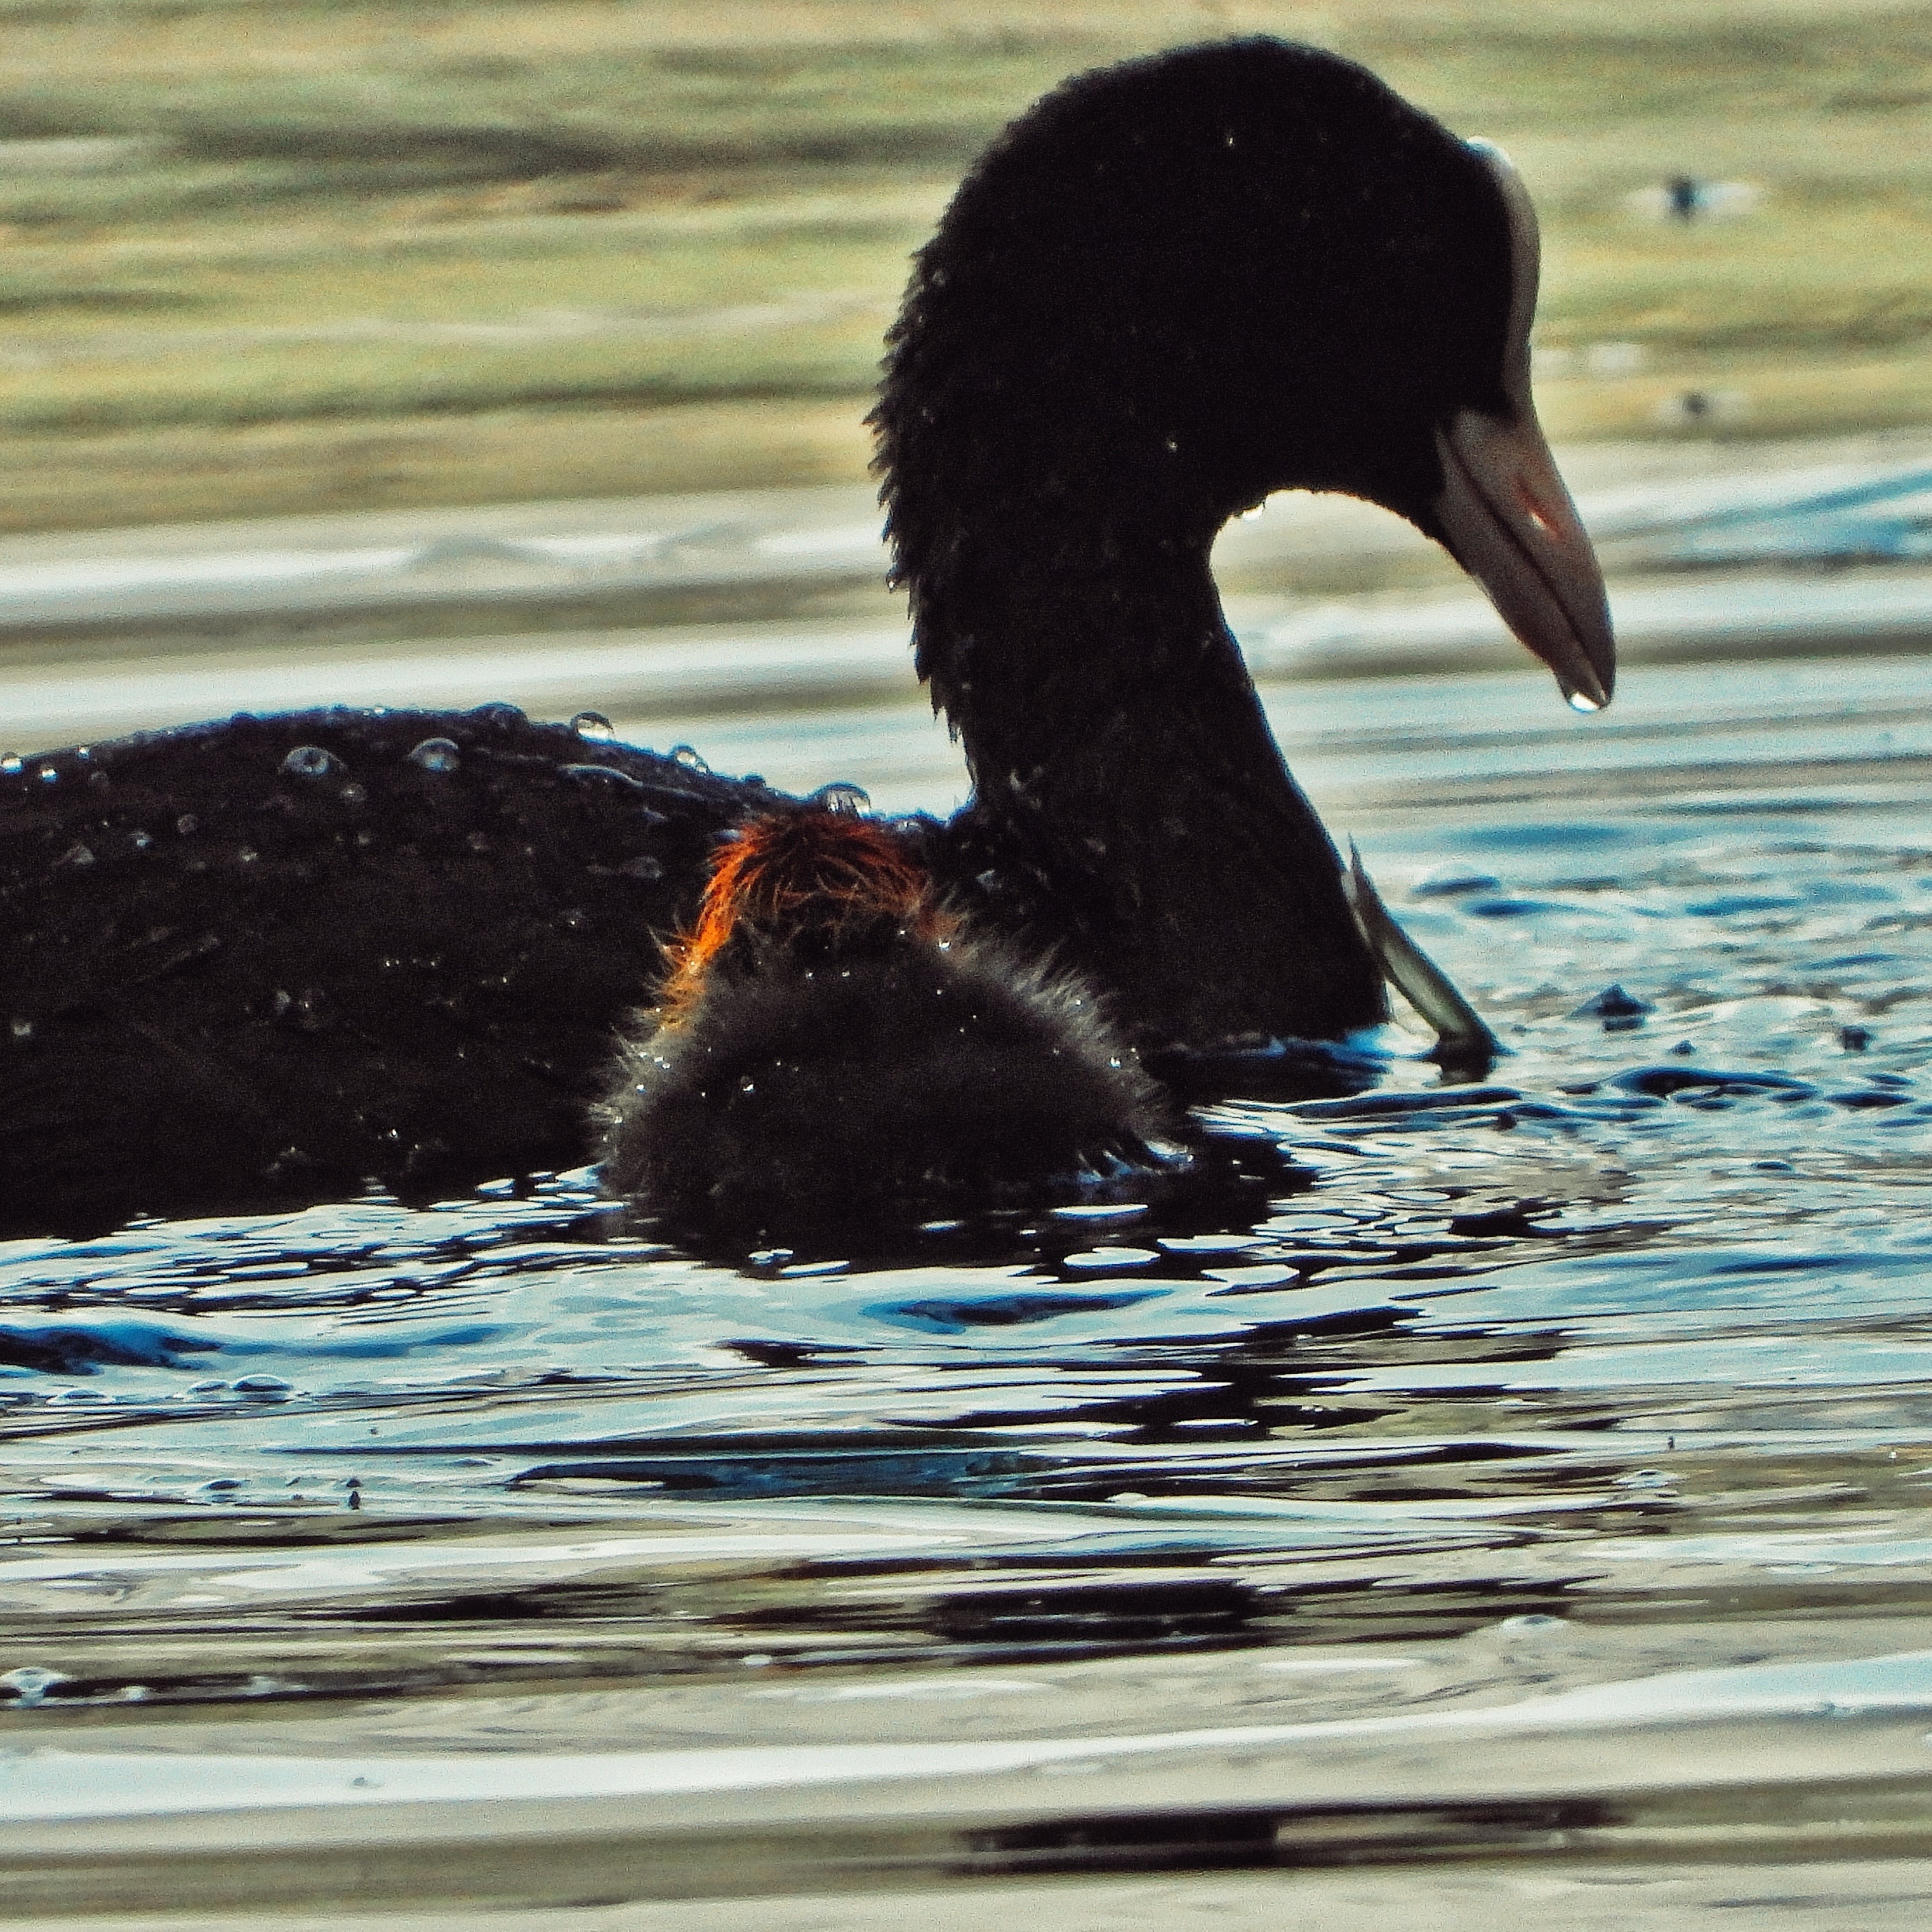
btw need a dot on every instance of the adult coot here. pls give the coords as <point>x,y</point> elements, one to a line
<point>262,960</point>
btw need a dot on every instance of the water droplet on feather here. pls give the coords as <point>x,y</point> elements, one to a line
<point>436,755</point>
<point>848,801</point>
<point>311,761</point>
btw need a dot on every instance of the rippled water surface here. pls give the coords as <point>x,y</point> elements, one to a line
<point>1562,1441</point>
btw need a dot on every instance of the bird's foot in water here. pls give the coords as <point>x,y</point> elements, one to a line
<point>1464,1044</point>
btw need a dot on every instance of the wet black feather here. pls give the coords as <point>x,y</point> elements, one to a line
<point>820,1092</point>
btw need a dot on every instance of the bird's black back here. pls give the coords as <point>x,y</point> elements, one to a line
<point>233,977</point>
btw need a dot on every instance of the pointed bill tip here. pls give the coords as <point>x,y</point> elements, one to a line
<point>1506,518</point>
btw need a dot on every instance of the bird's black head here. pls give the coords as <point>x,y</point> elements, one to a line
<point>1176,285</point>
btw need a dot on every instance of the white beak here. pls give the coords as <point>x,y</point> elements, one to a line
<point>1504,510</point>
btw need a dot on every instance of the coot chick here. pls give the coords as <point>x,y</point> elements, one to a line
<point>834,1050</point>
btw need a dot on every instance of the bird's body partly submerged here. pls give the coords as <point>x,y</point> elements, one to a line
<point>825,981</point>
<point>265,960</point>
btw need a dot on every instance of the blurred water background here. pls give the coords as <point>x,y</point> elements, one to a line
<point>1520,1516</point>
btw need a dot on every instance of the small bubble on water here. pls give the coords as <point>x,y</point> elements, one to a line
<point>644,866</point>
<point>75,854</point>
<point>21,1029</point>
<point>436,755</point>
<point>1582,701</point>
<point>48,775</point>
<point>503,717</point>
<point>30,1685</point>
<point>848,801</point>
<point>264,1388</point>
<point>187,823</point>
<point>684,755</point>
<point>141,841</point>
<point>593,727</point>
<point>354,794</point>
<point>311,761</point>
<point>12,765</point>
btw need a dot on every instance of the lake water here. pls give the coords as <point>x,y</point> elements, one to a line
<point>1522,1514</point>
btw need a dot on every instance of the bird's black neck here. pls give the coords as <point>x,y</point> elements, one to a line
<point>1168,290</point>
<point>1131,811</point>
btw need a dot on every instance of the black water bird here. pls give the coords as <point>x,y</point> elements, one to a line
<point>259,960</point>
